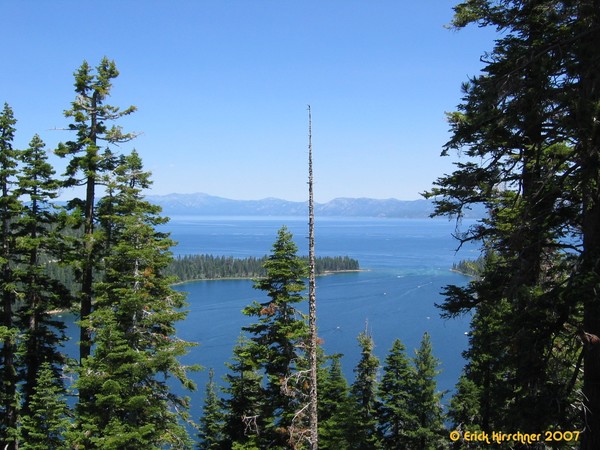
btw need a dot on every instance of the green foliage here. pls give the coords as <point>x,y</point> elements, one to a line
<point>245,399</point>
<point>362,423</point>
<point>275,351</point>
<point>37,240</point>
<point>395,414</point>
<point>10,207</point>
<point>45,426</point>
<point>526,126</point>
<point>425,401</point>
<point>211,423</point>
<point>464,409</point>
<point>200,267</point>
<point>334,405</point>
<point>89,166</point>
<point>128,403</point>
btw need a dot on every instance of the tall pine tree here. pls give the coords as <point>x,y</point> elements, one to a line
<point>10,208</point>
<point>362,424</point>
<point>427,430</point>
<point>38,242</point>
<point>279,343</point>
<point>129,404</point>
<point>394,408</point>
<point>44,425</point>
<point>516,126</point>
<point>90,158</point>
<point>210,431</point>
<point>334,405</point>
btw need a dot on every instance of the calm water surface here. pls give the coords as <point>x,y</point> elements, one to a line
<point>406,262</point>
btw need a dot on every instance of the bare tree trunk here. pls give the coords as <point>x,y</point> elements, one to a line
<point>312,300</point>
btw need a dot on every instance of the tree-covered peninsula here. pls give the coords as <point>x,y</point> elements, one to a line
<point>211,267</point>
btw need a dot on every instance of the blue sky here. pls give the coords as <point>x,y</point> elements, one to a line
<point>222,88</point>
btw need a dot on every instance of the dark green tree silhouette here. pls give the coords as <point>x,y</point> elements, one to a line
<point>334,405</point>
<point>362,423</point>
<point>394,409</point>
<point>210,430</point>
<point>425,406</point>
<point>244,401</point>
<point>528,126</point>
<point>10,207</point>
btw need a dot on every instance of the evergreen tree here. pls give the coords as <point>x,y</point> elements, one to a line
<point>362,423</point>
<point>334,406</point>
<point>243,406</point>
<point>91,119</point>
<point>582,122</point>
<point>279,340</point>
<point>517,124</point>
<point>44,426</point>
<point>394,409</point>
<point>464,410</point>
<point>37,242</point>
<point>9,209</point>
<point>129,404</point>
<point>424,406</point>
<point>211,422</point>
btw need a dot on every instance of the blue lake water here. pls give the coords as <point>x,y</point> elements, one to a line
<point>407,262</point>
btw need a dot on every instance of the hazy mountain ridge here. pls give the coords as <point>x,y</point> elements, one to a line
<point>209,205</point>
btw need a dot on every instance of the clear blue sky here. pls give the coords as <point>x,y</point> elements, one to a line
<point>222,88</point>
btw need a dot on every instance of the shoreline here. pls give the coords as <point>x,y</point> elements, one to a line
<point>327,273</point>
<point>470,275</point>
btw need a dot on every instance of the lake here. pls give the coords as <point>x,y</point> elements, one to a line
<point>406,263</point>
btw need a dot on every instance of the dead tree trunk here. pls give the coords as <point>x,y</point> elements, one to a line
<point>312,299</point>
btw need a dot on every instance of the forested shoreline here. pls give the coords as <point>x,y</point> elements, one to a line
<point>211,267</point>
<point>469,267</point>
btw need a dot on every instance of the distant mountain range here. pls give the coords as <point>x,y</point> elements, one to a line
<point>208,205</point>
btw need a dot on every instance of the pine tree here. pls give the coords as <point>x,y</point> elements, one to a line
<point>243,406</point>
<point>211,423</point>
<point>362,424</point>
<point>425,401</point>
<point>9,209</point>
<point>88,164</point>
<point>279,342</point>
<point>464,412</point>
<point>45,425</point>
<point>582,122</point>
<point>129,404</point>
<point>394,409</point>
<point>334,406</point>
<point>516,123</point>
<point>38,240</point>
